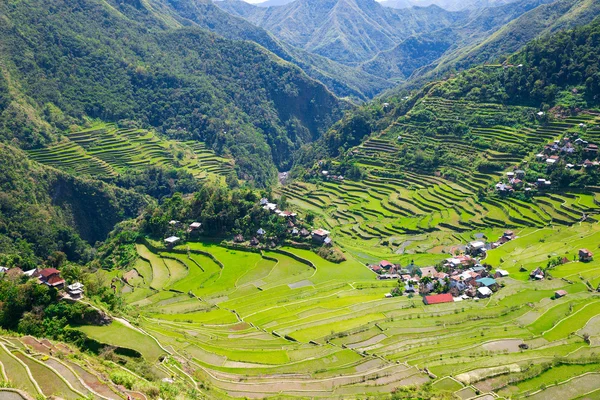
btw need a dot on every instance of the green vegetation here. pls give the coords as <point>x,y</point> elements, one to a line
<point>151,69</point>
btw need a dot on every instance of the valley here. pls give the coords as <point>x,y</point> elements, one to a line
<point>222,201</point>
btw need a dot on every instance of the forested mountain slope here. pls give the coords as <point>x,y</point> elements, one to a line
<point>43,210</point>
<point>66,60</point>
<point>342,80</point>
<point>540,21</point>
<point>450,5</point>
<point>428,49</point>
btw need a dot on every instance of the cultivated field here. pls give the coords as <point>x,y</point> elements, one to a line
<point>104,151</point>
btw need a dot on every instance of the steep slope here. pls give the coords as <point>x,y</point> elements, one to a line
<point>43,210</point>
<point>132,61</point>
<point>346,31</point>
<point>540,21</point>
<point>558,70</point>
<point>344,81</point>
<point>429,49</point>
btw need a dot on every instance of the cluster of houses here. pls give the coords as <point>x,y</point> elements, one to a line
<point>49,277</point>
<point>172,241</point>
<point>327,176</point>
<point>575,151</point>
<point>584,256</point>
<point>459,278</point>
<point>318,236</point>
<point>565,148</point>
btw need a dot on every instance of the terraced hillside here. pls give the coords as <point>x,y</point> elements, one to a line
<point>105,151</point>
<point>248,324</point>
<point>41,368</point>
<point>398,202</point>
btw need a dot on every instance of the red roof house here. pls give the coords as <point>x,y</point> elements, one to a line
<point>51,277</point>
<point>438,299</point>
<point>385,264</point>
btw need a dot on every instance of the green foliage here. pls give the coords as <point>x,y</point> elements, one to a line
<point>44,211</point>
<point>565,60</point>
<point>188,83</point>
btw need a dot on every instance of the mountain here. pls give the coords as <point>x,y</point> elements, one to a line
<point>394,46</point>
<point>273,3</point>
<point>450,5</point>
<point>558,70</point>
<point>536,23</point>
<point>428,49</point>
<point>346,31</point>
<point>61,65</point>
<point>342,80</point>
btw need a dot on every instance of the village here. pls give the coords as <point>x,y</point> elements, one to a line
<point>570,153</point>
<point>461,277</point>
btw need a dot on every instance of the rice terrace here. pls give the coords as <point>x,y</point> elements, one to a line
<point>476,297</point>
<point>344,199</point>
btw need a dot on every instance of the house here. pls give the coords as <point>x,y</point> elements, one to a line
<point>172,241</point>
<point>51,277</point>
<point>410,288</point>
<point>591,148</point>
<point>260,232</point>
<point>487,282</point>
<point>194,226</point>
<point>3,270</point>
<point>270,206</point>
<point>375,268</point>
<point>264,201</point>
<point>287,214</point>
<point>327,241</point>
<point>520,174</point>
<point>502,187</point>
<point>295,231</point>
<point>537,274</point>
<point>427,271</point>
<point>304,232</point>
<point>254,242</point>
<point>238,238</point>
<point>385,264</point>
<point>585,255</point>
<point>560,293</point>
<point>31,273</point>
<point>484,292</point>
<point>552,160</point>
<point>388,276</point>
<point>319,235</point>
<point>476,247</point>
<point>501,273</point>
<point>75,290</point>
<point>440,276</point>
<point>174,223</point>
<point>438,299</point>
<point>510,235</point>
<point>541,114</point>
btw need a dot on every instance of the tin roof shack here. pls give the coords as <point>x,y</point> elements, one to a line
<point>75,290</point>
<point>585,255</point>
<point>560,293</point>
<point>172,241</point>
<point>476,248</point>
